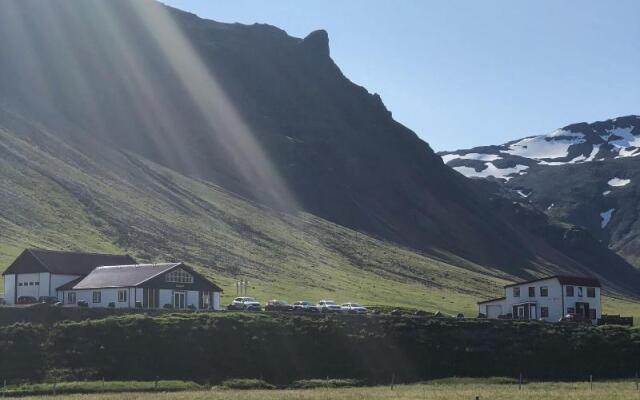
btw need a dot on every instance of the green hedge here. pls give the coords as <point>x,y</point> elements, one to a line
<point>282,349</point>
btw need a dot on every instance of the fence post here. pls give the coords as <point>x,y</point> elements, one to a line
<point>520,382</point>
<point>55,382</point>
<point>591,382</point>
<point>637,386</point>
<point>393,380</point>
<point>4,388</point>
<point>156,383</point>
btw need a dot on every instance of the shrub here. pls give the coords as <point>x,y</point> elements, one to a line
<point>326,383</point>
<point>246,384</point>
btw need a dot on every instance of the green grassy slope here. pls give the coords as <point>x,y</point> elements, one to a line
<point>54,196</point>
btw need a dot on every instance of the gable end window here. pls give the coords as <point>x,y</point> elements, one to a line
<point>569,291</point>
<point>532,291</point>
<point>122,296</point>
<point>179,276</point>
<point>544,291</point>
<point>97,297</point>
<point>591,292</point>
<point>516,292</point>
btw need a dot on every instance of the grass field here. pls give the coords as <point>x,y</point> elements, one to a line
<point>455,389</point>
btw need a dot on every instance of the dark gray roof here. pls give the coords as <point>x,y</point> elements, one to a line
<point>121,275</point>
<point>565,280</point>
<point>63,262</point>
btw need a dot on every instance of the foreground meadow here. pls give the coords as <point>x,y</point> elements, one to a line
<point>461,389</point>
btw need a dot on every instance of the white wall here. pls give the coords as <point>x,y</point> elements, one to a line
<point>553,301</point>
<point>216,301</point>
<point>30,285</point>
<point>107,296</point>
<point>59,280</point>
<point>594,302</point>
<point>9,288</point>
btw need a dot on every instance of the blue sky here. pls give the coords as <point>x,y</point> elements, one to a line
<point>464,73</point>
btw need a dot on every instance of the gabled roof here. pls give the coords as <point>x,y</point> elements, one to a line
<point>122,275</point>
<point>134,275</point>
<point>564,280</point>
<point>63,262</point>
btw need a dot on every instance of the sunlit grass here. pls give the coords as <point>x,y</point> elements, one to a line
<point>452,390</point>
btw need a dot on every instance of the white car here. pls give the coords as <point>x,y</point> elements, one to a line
<point>354,308</point>
<point>245,303</point>
<point>328,306</point>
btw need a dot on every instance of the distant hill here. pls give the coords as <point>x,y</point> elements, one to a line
<point>131,126</point>
<point>584,174</point>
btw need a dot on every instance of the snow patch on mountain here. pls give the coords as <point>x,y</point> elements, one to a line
<point>554,145</point>
<point>491,170</point>
<point>471,156</point>
<point>606,192</point>
<point>617,182</point>
<point>606,217</point>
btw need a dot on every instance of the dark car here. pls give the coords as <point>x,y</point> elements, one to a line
<point>305,306</point>
<point>27,300</point>
<point>48,299</point>
<point>278,305</point>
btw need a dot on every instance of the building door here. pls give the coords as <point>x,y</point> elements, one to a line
<point>179,300</point>
<point>582,310</point>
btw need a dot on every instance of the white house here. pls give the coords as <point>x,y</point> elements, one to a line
<point>104,280</point>
<point>547,299</point>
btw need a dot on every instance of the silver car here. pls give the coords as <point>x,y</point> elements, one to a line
<point>354,308</point>
<point>245,303</point>
<point>328,306</point>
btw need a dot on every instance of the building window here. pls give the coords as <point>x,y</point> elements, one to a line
<point>20,284</point>
<point>71,298</point>
<point>592,313</point>
<point>122,296</point>
<point>516,292</point>
<point>179,276</point>
<point>591,292</point>
<point>544,312</point>
<point>37,283</point>
<point>544,291</point>
<point>569,291</point>
<point>571,310</point>
<point>532,291</point>
<point>30,283</point>
<point>579,291</point>
<point>205,299</point>
<point>97,297</point>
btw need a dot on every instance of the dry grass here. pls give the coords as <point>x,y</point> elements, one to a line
<point>457,390</point>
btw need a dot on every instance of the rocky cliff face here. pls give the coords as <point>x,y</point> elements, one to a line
<point>260,113</point>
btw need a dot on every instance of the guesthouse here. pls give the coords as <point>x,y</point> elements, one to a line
<point>105,280</point>
<point>170,285</point>
<point>547,299</point>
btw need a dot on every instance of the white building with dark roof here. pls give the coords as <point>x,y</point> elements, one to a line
<point>547,299</point>
<point>104,280</point>
<point>38,273</point>
<point>174,285</point>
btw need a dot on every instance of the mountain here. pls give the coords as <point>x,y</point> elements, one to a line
<point>584,174</point>
<point>104,105</point>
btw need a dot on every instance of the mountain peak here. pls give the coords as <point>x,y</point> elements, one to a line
<point>317,42</point>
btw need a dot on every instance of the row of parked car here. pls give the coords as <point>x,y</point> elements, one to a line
<point>323,306</point>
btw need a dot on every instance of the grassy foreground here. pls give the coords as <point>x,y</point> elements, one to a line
<point>462,389</point>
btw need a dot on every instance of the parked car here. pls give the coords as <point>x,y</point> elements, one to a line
<point>278,305</point>
<point>245,303</point>
<point>305,306</point>
<point>354,308</point>
<point>27,300</point>
<point>47,299</point>
<point>328,306</point>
